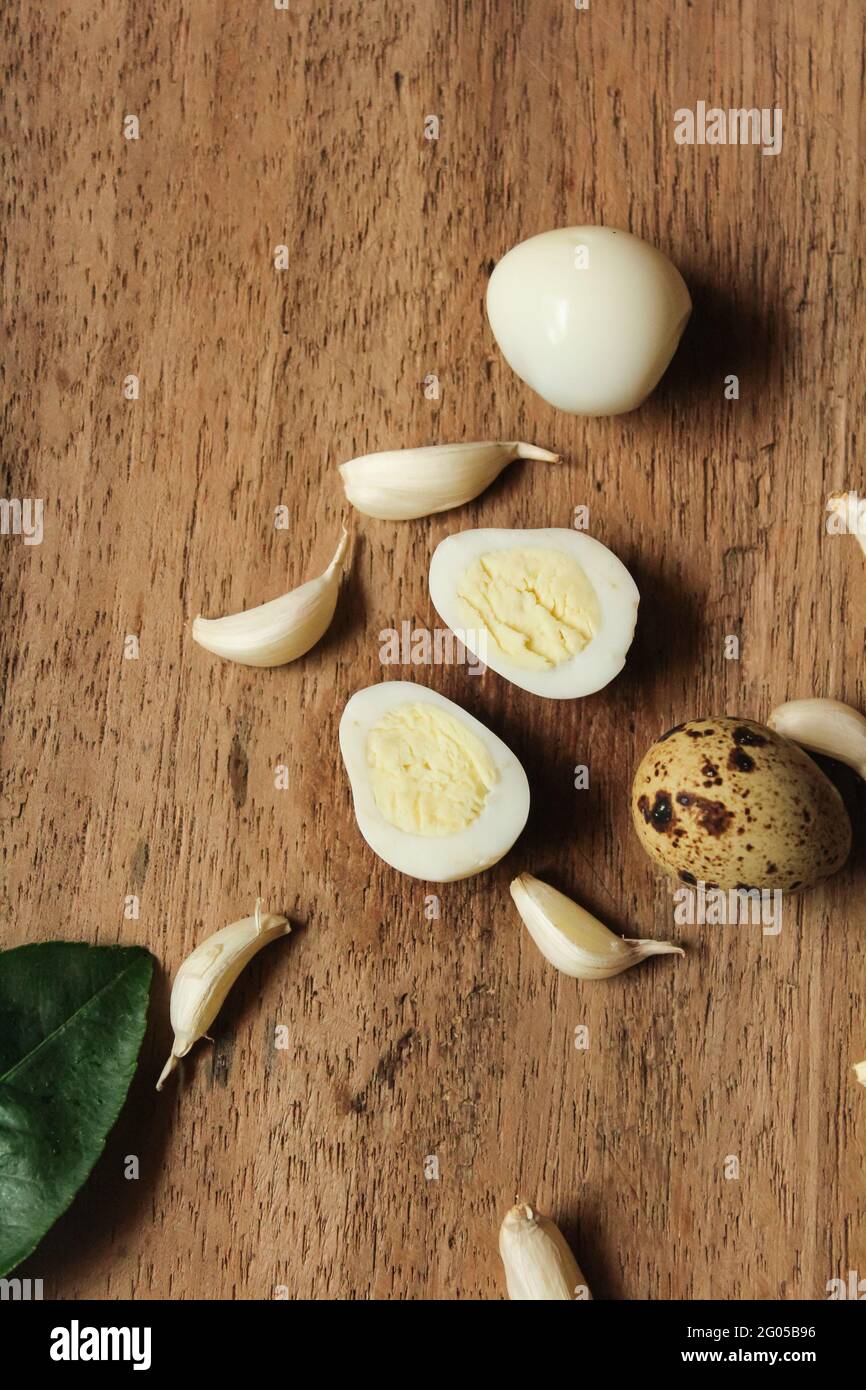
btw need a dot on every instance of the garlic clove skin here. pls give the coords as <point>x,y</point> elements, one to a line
<point>824,726</point>
<point>281,630</point>
<point>538,1261</point>
<point>574,941</point>
<point>403,484</point>
<point>206,976</point>
<point>860,1072</point>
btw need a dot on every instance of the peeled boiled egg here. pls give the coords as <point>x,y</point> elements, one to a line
<point>553,611</point>
<point>437,795</point>
<point>589,317</point>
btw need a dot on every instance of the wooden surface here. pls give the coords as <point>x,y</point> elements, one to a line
<point>304,1168</point>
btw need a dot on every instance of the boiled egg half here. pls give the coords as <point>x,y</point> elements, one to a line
<point>437,795</point>
<point>553,611</point>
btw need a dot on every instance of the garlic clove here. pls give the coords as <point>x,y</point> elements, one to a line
<point>824,726</point>
<point>402,484</point>
<point>538,1261</point>
<point>572,939</point>
<point>280,630</point>
<point>840,504</point>
<point>860,1072</point>
<point>206,976</point>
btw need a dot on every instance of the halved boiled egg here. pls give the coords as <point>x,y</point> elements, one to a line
<point>553,611</point>
<point>437,795</point>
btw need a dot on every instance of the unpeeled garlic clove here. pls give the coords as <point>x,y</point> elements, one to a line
<point>860,1072</point>
<point>280,630</point>
<point>538,1260</point>
<point>572,939</point>
<point>824,726</point>
<point>402,484</point>
<point>206,976</point>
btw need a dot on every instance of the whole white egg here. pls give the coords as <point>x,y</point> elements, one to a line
<point>437,795</point>
<point>589,317</point>
<point>553,610</point>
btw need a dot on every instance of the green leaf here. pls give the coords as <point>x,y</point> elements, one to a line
<point>71,1023</point>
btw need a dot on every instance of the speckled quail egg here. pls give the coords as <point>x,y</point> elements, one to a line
<point>437,795</point>
<point>731,804</point>
<point>589,317</point>
<point>552,610</point>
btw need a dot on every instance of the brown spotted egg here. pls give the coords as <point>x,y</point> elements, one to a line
<point>734,804</point>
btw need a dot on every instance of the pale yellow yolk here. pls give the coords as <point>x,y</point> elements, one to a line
<point>430,775</point>
<point>537,605</point>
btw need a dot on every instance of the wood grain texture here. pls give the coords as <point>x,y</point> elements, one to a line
<point>304,1167</point>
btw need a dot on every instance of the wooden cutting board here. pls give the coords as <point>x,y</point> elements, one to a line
<point>306,1169</point>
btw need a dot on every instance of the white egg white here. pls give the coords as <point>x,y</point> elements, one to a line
<point>437,859</point>
<point>589,317</point>
<point>587,671</point>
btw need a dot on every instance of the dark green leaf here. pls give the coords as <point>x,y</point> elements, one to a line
<point>71,1023</point>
